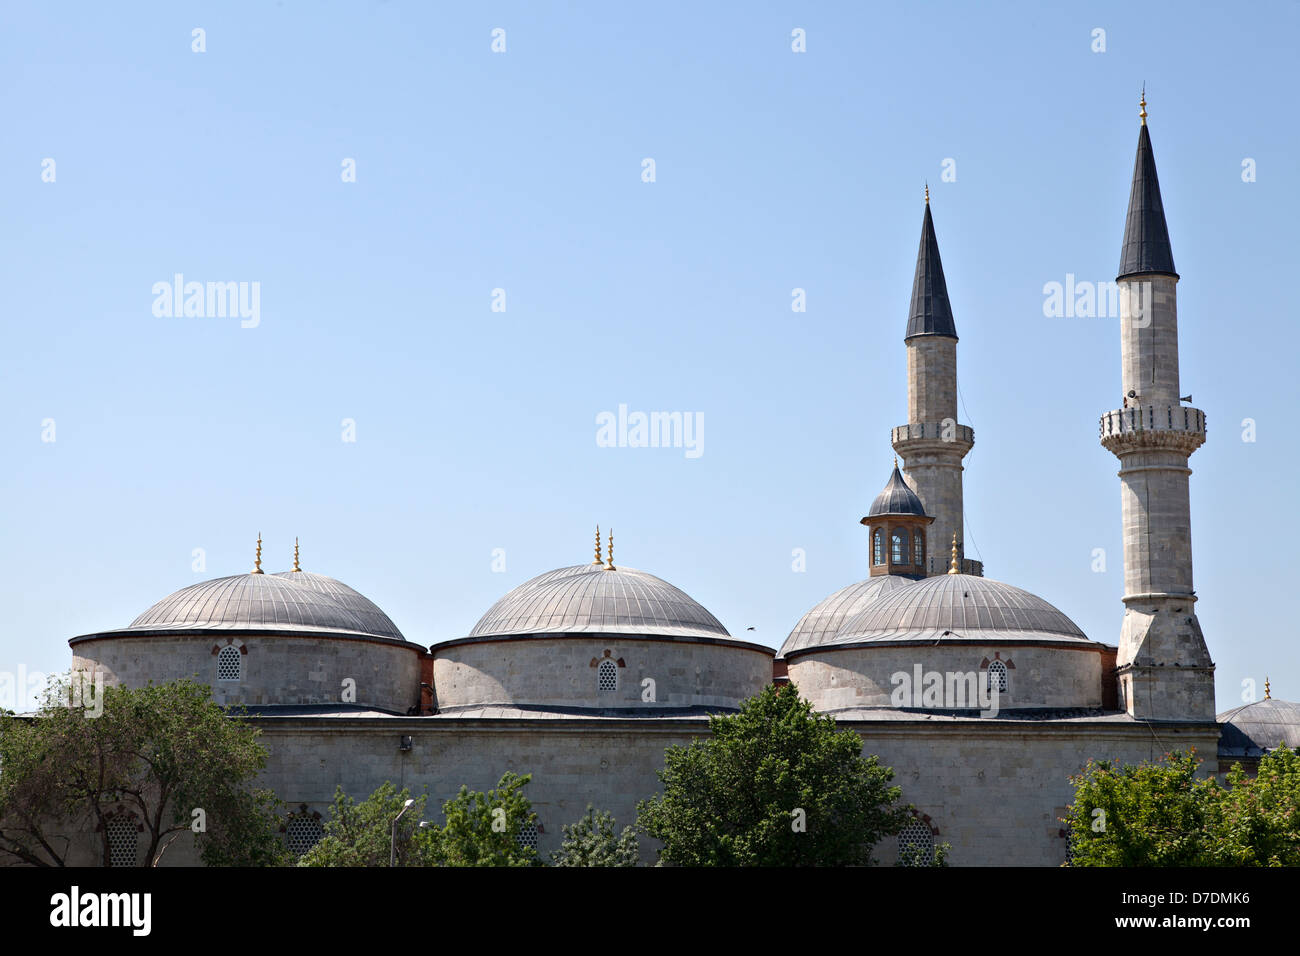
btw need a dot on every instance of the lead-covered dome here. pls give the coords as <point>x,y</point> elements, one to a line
<point>955,607</point>
<point>593,599</point>
<point>1254,729</point>
<point>294,601</point>
<point>823,622</point>
<point>896,498</point>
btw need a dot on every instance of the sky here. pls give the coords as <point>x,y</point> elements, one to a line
<point>460,265</point>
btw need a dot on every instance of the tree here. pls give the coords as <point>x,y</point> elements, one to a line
<point>1161,815</point>
<point>362,834</point>
<point>592,842</point>
<point>480,829</point>
<point>483,829</point>
<point>774,785</point>
<point>164,756</point>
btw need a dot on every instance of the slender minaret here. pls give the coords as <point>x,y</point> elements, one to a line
<point>932,444</point>
<point>1164,668</point>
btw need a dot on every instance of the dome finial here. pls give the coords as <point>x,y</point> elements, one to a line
<point>609,561</point>
<point>1143,104</point>
<point>599,559</point>
<point>1267,694</point>
<point>257,565</point>
<point>927,194</point>
<point>952,566</point>
<point>295,555</point>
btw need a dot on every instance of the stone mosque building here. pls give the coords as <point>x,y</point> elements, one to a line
<point>584,675</point>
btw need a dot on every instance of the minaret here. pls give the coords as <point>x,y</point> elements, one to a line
<point>1163,665</point>
<point>932,444</point>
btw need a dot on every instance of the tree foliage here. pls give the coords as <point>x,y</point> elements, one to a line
<point>592,841</point>
<point>479,829</point>
<point>1162,815</point>
<point>774,785</point>
<point>165,756</point>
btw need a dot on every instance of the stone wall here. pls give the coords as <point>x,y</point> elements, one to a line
<point>565,672</point>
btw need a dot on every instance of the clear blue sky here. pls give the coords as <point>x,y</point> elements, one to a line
<point>476,429</point>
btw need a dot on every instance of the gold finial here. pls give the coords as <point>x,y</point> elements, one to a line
<point>257,565</point>
<point>599,559</point>
<point>1267,694</point>
<point>1143,104</point>
<point>295,555</point>
<point>927,194</point>
<point>952,567</point>
<point>609,561</point>
<point>895,462</point>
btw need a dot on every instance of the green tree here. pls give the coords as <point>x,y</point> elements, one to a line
<point>1162,815</point>
<point>774,785</point>
<point>592,842</point>
<point>362,834</point>
<point>165,755</point>
<point>480,829</point>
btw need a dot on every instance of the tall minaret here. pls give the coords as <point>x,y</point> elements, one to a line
<point>932,444</point>
<point>1164,667</point>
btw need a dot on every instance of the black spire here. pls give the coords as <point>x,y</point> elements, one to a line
<point>1146,237</point>
<point>930,313</point>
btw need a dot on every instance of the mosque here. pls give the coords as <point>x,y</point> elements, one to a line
<point>584,675</point>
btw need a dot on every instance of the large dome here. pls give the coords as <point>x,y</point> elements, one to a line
<point>955,607</point>
<point>1253,729</point>
<point>293,601</point>
<point>590,599</point>
<point>823,622</point>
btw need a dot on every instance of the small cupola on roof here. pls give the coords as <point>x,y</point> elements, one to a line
<point>897,524</point>
<point>930,312</point>
<point>1146,249</point>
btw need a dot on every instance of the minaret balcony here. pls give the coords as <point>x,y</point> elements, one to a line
<point>1173,427</point>
<point>933,436</point>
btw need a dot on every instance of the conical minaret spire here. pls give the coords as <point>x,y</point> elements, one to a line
<point>932,443</point>
<point>1163,664</point>
<point>930,312</point>
<point>1146,249</point>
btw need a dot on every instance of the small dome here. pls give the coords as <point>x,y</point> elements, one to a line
<point>588,599</point>
<point>959,606</point>
<point>1253,729</point>
<point>896,499</point>
<point>820,625</point>
<point>293,601</point>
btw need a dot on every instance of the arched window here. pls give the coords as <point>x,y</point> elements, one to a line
<point>527,836</point>
<point>303,833</point>
<point>918,548</point>
<point>122,836</point>
<point>878,547</point>
<point>915,845</point>
<point>900,548</point>
<point>229,663</point>
<point>998,677</point>
<point>607,675</point>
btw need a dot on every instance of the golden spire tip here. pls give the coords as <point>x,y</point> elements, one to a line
<point>952,567</point>
<point>599,559</point>
<point>927,194</point>
<point>1268,695</point>
<point>609,560</point>
<point>1143,104</point>
<point>257,565</point>
<point>295,555</point>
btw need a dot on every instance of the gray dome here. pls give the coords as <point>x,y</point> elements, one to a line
<point>896,499</point>
<point>822,623</point>
<point>953,607</point>
<point>295,601</point>
<point>588,599</point>
<point>1253,729</point>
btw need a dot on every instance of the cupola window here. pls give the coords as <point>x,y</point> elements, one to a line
<point>918,548</point>
<point>878,547</point>
<point>229,663</point>
<point>998,677</point>
<point>607,675</point>
<point>900,548</point>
